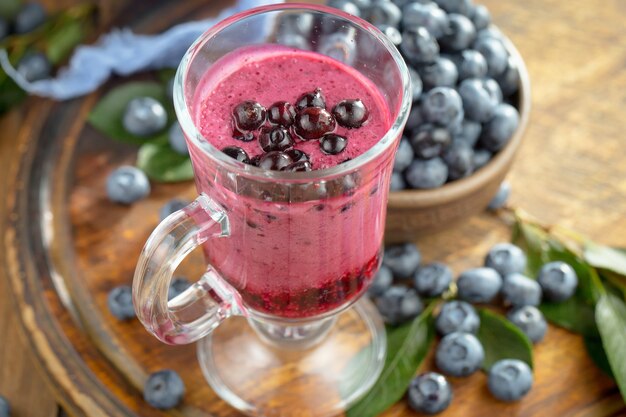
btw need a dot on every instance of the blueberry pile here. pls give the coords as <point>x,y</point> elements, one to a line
<point>403,284</point>
<point>464,85</point>
<point>278,128</point>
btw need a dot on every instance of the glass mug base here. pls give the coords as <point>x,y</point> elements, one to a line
<point>317,381</point>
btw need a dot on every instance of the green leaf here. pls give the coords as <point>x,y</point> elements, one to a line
<point>10,95</point>
<point>407,346</point>
<point>161,163</point>
<point>605,257</point>
<point>573,315</point>
<point>598,355</point>
<point>166,74</point>
<point>611,320</point>
<point>63,40</point>
<point>501,339</point>
<point>107,114</point>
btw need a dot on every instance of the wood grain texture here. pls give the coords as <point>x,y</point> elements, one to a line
<point>570,170</point>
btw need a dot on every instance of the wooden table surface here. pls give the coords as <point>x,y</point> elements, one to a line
<point>571,169</point>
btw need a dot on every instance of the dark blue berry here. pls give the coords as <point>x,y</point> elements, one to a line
<point>429,141</point>
<point>506,258</point>
<point>176,139</point>
<point>501,197</point>
<point>120,302</point>
<point>382,281</point>
<point>243,136</point>
<point>479,285</point>
<point>416,85</point>
<point>469,133</point>
<point>519,290</point>
<point>127,184</point>
<point>459,159</point>
<point>426,174</point>
<point>164,389</point>
<point>416,118</point>
<point>429,393</point>
<point>481,18</point>
<point>457,316</point>
<point>392,33</point>
<point>313,98</point>
<point>404,155</point>
<point>403,259</point>
<point>275,138</point>
<point>296,24</point>
<point>236,153</point>
<point>340,45</point>
<point>530,321</point>
<point>397,182</point>
<point>459,354</point>
<point>281,113</point>
<point>29,17</point>
<point>302,166</point>
<point>470,64</point>
<point>274,161</point>
<point>460,33</point>
<point>509,80</point>
<point>463,7</point>
<point>248,116</point>
<point>384,12</point>
<point>500,128</point>
<point>510,379</point>
<point>432,280</point>
<point>34,66</point>
<point>494,52</point>
<point>297,155</point>
<point>558,281</point>
<point>5,407</point>
<point>441,73</point>
<point>419,46</point>
<point>493,88</point>
<point>314,122</point>
<point>479,102</point>
<point>144,116</point>
<point>345,6</point>
<point>177,286</point>
<point>426,15</point>
<point>172,206</point>
<point>481,158</point>
<point>443,106</point>
<point>350,113</point>
<point>333,144</point>
<point>399,304</point>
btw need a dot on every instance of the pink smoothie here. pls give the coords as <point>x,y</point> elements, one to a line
<point>294,250</point>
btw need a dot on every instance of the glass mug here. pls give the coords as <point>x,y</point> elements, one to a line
<point>287,251</point>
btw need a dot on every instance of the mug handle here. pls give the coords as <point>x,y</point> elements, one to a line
<point>205,304</point>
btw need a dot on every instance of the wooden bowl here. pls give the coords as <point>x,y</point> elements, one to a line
<point>415,213</point>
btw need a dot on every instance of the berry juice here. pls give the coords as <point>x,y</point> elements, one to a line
<point>296,248</point>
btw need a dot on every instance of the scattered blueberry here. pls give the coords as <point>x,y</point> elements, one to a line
<point>392,33</point>
<point>519,290</point>
<point>248,115</point>
<point>164,389</point>
<point>460,33</point>
<point>530,321</point>
<point>426,15</point>
<point>332,144</point>
<point>506,258</point>
<point>443,106</point>
<point>459,159</point>
<point>499,200</point>
<point>300,166</point>
<point>29,17</point>
<point>479,103</point>
<point>176,138</point>
<point>470,64</point>
<point>459,354</point>
<point>120,302</point>
<point>144,116</point>
<point>274,161</point>
<point>457,316</point>
<point>429,393</point>
<point>510,379</point>
<point>481,18</point>
<point>481,158</point>
<point>127,184</point>
<point>432,280</point>
<point>5,407</point>
<point>351,113</point>
<point>381,282</point>
<point>313,98</point>
<point>419,46</point>
<point>494,52</point>
<point>384,12</point>
<point>441,73</point>
<point>558,281</point>
<point>399,304</point>
<point>281,113</point>
<point>177,286</point>
<point>479,285</point>
<point>429,141</point>
<point>236,153</point>
<point>275,138</point>
<point>172,206</point>
<point>314,122</point>
<point>469,134</point>
<point>500,128</point>
<point>345,6</point>
<point>426,174</point>
<point>34,66</point>
<point>297,155</point>
<point>404,155</point>
<point>403,259</point>
<point>463,7</point>
<point>417,86</point>
<point>397,182</point>
<point>509,80</point>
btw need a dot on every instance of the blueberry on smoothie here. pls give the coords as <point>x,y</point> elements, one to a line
<point>313,98</point>
<point>281,113</point>
<point>248,115</point>
<point>332,144</point>
<point>274,161</point>
<point>351,113</point>
<point>297,155</point>
<point>275,138</point>
<point>301,166</point>
<point>237,153</point>
<point>314,122</point>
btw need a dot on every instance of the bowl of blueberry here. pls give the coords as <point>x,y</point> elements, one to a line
<point>471,101</point>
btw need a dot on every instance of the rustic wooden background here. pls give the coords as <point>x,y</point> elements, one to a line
<point>571,170</point>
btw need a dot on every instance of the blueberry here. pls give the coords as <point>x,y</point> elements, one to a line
<point>403,259</point>
<point>419,46</point>
<point>313,98</point>
<point>494,52</point>
<point>460,33</point>
<point>164,389</point>
<point>479,102</point>
<point>5,407</point>
<point>281,113</point>
<point>428,16</point>
<point>243,136</point>
<point>463,7</point>
<point>457,316</point>
<point>363,5</point>
<point>558,281</point>
<point>274,161</point>
<point>384,12</point>
<point>443,106</point>
<point>481,18</point>
<point>460,160</point>
<point>470,64</point>
<point>297,155</point>
<point>510,379</point>
<point>397,182</point>
<point>144,116</point>
<point>29,17</point>
<point>332,144</point>
<point>399,304</point>
<point>351,113</point>
<point>275,138</point>
<point>34,66</point>
<point>429,141</point>
<point>479,285</point>
<point>176,138</point>
<point>314,122</point>
<point>248,115</point>
<point>416,118</point>
<point>236,153</point>
<point>172,206</point>
<point>469,133</point>
<point>493,88</point>
<point>441,73</point>
<point>416,85</point>
<point>429,393</point>
<point>297,24</point>
<point>120,302</point>
<point>345,6</point>
<point>426,174</point>
<point>499,200</point>
<point>382,281</point>
<point>530,321</point>
<point>481,158</point>
<point>339,45</point>
<point>127,184</point>
<point>177,286</point>
<point>432,280</point>
<point>301,166</point>
<point>519,290</point>
<point>506,258</point>
<point>500,128</point>
<point>392,33</point>
<point>4,28</point>
<point>509,80</point>
<point>459,354</point>
<point>404,155</point>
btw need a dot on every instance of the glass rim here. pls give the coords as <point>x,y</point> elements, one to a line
<point>193,134</point>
